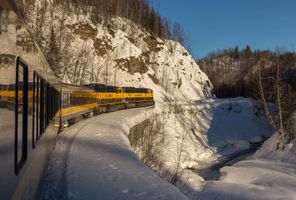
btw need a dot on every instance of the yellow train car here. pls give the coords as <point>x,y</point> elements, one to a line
<point>76,103</point>
<point>122,97</point>
<point>8,94</point>
<point>138,96</point>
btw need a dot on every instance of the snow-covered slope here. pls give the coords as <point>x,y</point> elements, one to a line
<point>267,151</point>
<point>201,134</point>
<point>135,58</point>
<point>269,174</point>
<point>120,53</point>
<point>254,179</point>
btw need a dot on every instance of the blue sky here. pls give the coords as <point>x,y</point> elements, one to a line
<point>218,24</point>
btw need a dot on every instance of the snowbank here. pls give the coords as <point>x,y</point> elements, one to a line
<point>200,134</point>
<point>254,179</point>
<point>269,174</point>
<point>267,151</point>
<point>93,160</point>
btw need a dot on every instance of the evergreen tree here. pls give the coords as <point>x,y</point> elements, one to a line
<point>248,52</point>
<point>236,53</point>
<point>54,53</point>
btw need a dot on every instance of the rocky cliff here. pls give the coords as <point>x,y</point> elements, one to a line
<point>114,52</point>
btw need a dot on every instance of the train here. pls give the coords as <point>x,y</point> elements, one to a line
<point>91,99</point>
<point>35,106</point>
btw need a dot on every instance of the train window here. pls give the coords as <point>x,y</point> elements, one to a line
<point>34,109</point>
<point>49,104</point>
<point>45,105</point>
<point>41,127</point>
<point>47,95</point>
<point>68,100</point>
<point>38,109</point>
<point>72,100</point>
<point>46,101</point>
<point>21,115</point>
<point>63,100</point>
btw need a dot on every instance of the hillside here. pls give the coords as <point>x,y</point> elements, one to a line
<point>239,69</point>
<point>115,52</point>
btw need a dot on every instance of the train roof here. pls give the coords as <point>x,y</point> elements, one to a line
<point>142,90</point>
<point>102,87</point>
<point>136,90</point>
<point>129,89</point>
<point>74,88</point>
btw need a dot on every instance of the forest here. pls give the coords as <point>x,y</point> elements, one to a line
<point>268,76</point>
<point>238,70</point>
<point>139,11</point>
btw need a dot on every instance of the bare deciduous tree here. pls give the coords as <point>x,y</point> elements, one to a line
<point>285,102</point>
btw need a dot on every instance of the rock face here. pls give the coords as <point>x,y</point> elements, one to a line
<point>121,53</point>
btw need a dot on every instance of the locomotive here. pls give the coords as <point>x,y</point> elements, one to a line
<point>78,102</point>
<point>35,105</point>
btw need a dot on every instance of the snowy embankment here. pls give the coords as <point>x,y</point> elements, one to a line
<point>93,160</point>
<point>201,134</point>
<point>266,175</point>
<point>213,131</point>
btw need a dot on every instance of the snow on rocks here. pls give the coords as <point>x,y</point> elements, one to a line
<point>255,139</point>
<point>122,53</point>
<point>214,130</point>
<point>267,151</point>
<point>119,52</point>
<point>205,133</point>
<point>253,180</point>
<point>233,124</point>
<point>268,174</point>
<point>241,145</point>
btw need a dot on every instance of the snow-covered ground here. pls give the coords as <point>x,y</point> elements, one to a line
<point>223,126</point>
<point>93,160</point>
<point>202,134</point>
<point>266,175</point>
